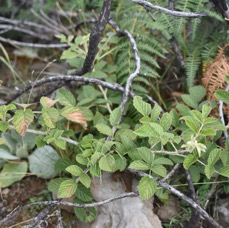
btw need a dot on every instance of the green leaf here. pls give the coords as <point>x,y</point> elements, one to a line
<point>67,188</point>
<point>149,130</point>
<point>127,143</point>
<point>86,141</point>
<point>191,123</point>
<point>224,171</point>
<point>115,116</point>
<point>83,193</point>
<point>145,120</point>
<point>147,187</point>
<point>142,107</point>
<point>74,170</point>
<point>165,138</point>
<point>50,116</point>
<point>5,155</point>
<point>195,173</point>
<point>95,157</point>
<point>166,121</point>
<point>162,161</point>
<point>12,172</point>
<point>21,151</point>
<point>105,147</point>
<point>177,139</point>
<point>22,119</point>
<point>206,109</point>
<point>120,163</point>
<point>197,93</point>
<point>209,171</point>
<point>189,101</point>
<point>106,163</point>
<point>87,153</point>
<point>218,125</point>
<point>84,214</point>
<point>139,165</point>
<point>214,156</point>
<point>210,120</point>
<point>155,112</point>
<point>85,180</point>
<point>40,141</point>
<point>175,118</point>
<point>224,155</point>
<point>81,160</point>
<point>197,115</point>
<point>4,109</point>
<point>95,170</point>
<point>159,170</point>
<point>86,101</point>
<point>60,143</point>
<point>146,154</point>
<point>9,141</point>
<point>42,162</point>
<point>222,95</point>
<point>189,160</point>
<point>183,109</point>
<point>4,126</point>
<point>54,184</point>
<point>208,131</point>
<point>62,163</point>
<point>125,133</point>
<point>104,129</point>
<point>65,97</point>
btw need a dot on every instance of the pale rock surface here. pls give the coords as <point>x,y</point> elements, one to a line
<point>124,213</point>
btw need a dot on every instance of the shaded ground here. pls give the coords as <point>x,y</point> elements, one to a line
<point>29,190</point>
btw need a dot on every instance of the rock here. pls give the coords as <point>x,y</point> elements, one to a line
<point>166,212</point>
<point>123,213</point>
<point>222,213</point>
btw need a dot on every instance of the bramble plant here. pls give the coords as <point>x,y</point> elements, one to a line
<point>106,120</point>
<point>153,143</point>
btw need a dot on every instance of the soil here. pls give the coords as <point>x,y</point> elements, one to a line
<point>26,191</point>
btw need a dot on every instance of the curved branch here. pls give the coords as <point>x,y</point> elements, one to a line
<point>133,75</point>
<point>167,11</point>
<point>17,210</point>
<point>180,195</point>
<point>222,7</point>
<point>67,78</point>
<point>35,45</point>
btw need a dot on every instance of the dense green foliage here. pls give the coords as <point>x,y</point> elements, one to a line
<point>78,133</point>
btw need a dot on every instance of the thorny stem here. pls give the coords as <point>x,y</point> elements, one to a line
<point>17,210</point>
<point>167,11</point>
<point>133,75</point>
<point>94,39</point>
<point>180,195</point>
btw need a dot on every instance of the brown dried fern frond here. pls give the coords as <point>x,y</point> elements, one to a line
<point>214,77</point>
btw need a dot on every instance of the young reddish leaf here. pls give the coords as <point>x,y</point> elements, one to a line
<point>47,102</point>
<point>22,119</point>
<point>74,115</point>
